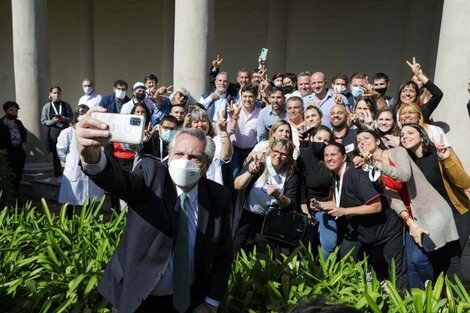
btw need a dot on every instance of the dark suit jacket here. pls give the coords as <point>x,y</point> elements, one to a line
<point>144,252</point>
<point>109,103</point>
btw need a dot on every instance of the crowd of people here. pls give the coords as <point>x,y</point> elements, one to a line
<point>370,172</point>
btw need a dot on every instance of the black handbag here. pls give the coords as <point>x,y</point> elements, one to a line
<point>285,226</point>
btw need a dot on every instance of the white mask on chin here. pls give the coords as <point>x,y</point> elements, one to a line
<point>184,173</point>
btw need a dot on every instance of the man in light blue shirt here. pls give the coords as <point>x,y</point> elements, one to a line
<point>325,99</point>
<point>271,113</point>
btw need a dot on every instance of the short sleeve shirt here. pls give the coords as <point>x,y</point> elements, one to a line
<point>358,190</point>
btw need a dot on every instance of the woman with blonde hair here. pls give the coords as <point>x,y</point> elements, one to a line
<point>264,183</point>
<point>410,113</point>
<point>280,130</point>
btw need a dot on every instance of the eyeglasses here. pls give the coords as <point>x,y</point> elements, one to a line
<point>279,153</point>
<point>89,85</point>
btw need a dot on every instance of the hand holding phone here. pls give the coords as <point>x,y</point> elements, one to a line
<point>264,54</point>
<point>123,128</point>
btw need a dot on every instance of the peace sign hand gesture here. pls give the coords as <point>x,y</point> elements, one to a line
<point>217,62</point>
<point>415,67</point>
<point>233,110</point>
<point>149,131</point>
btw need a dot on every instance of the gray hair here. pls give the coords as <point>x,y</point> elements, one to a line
<point>209,147</point>
<point>304,73</point>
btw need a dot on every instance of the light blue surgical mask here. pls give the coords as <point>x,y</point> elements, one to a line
<point>167,134</point>
<point>357,92</point>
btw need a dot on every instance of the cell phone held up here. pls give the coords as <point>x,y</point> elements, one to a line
<point>124,128</point>
<point>264,54</point>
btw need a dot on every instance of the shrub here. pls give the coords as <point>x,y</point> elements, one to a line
<point>49,263</point>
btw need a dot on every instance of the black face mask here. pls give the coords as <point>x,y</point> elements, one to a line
<point>12,117</point>
<point>140,96</point>
<point>318,148</point>
<point>381,91</point>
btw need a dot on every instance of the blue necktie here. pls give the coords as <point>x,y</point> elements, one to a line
<point>181,279</point>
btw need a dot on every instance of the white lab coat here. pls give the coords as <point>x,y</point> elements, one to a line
<point>75,186</point>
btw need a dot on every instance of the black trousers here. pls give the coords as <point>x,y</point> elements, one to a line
<point>164,304</point>
<point>393,249</point>
<point>249,225</point>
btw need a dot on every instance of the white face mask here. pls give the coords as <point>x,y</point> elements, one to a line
<point>120,94</point>
<point>80,117</point>
<point>87,90</point>
<point>183,172</point>
<point>339,89</point>
<point>269,166</point>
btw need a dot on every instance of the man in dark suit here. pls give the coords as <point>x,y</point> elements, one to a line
<point>175,254</point>
<point>113,103</point>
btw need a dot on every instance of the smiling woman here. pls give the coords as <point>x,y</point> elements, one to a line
<point>445,173</point>
<point>360,204</point>
<point>265,183</point>
<point>415,201</point>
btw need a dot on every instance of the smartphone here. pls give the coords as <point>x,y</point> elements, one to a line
<point>264,54</point>
<point>428,244</point>
<point>124,128</point>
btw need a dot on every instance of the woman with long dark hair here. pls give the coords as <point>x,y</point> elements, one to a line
<point>445,172</point>
<point>413,198</point>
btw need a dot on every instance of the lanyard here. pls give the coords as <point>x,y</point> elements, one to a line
<point>55,110</point>
<point>339,184</point>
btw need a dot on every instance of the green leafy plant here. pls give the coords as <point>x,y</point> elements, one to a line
<point>49,263</point>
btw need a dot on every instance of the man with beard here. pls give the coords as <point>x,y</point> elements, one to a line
<point>216,102</point>
<point>381,84</point>
<point>343,134</point>
<point>271,114</point>
<point>233,89</point>
<point>242,118</point>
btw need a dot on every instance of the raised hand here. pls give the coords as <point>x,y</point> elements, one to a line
<point>149,131</point>
<point>217,62</point>
<point>415,67</point>
<point>391,141</point>
<point>368,120</point>
<point>443,152</point>
<point>164,89</point>
<point>91,135</point>
<point>233,110</point>
<point>221,122</point>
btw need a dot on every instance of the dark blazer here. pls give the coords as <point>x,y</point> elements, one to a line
<point>109,103</point>
<point>144,252</point>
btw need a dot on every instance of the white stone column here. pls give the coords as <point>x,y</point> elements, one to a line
<point>452,74</point>
<point>168,35</point>
<point>87,39</point>
<point>192,44</point>
<point>31,67</point>
<point>277,35</point>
